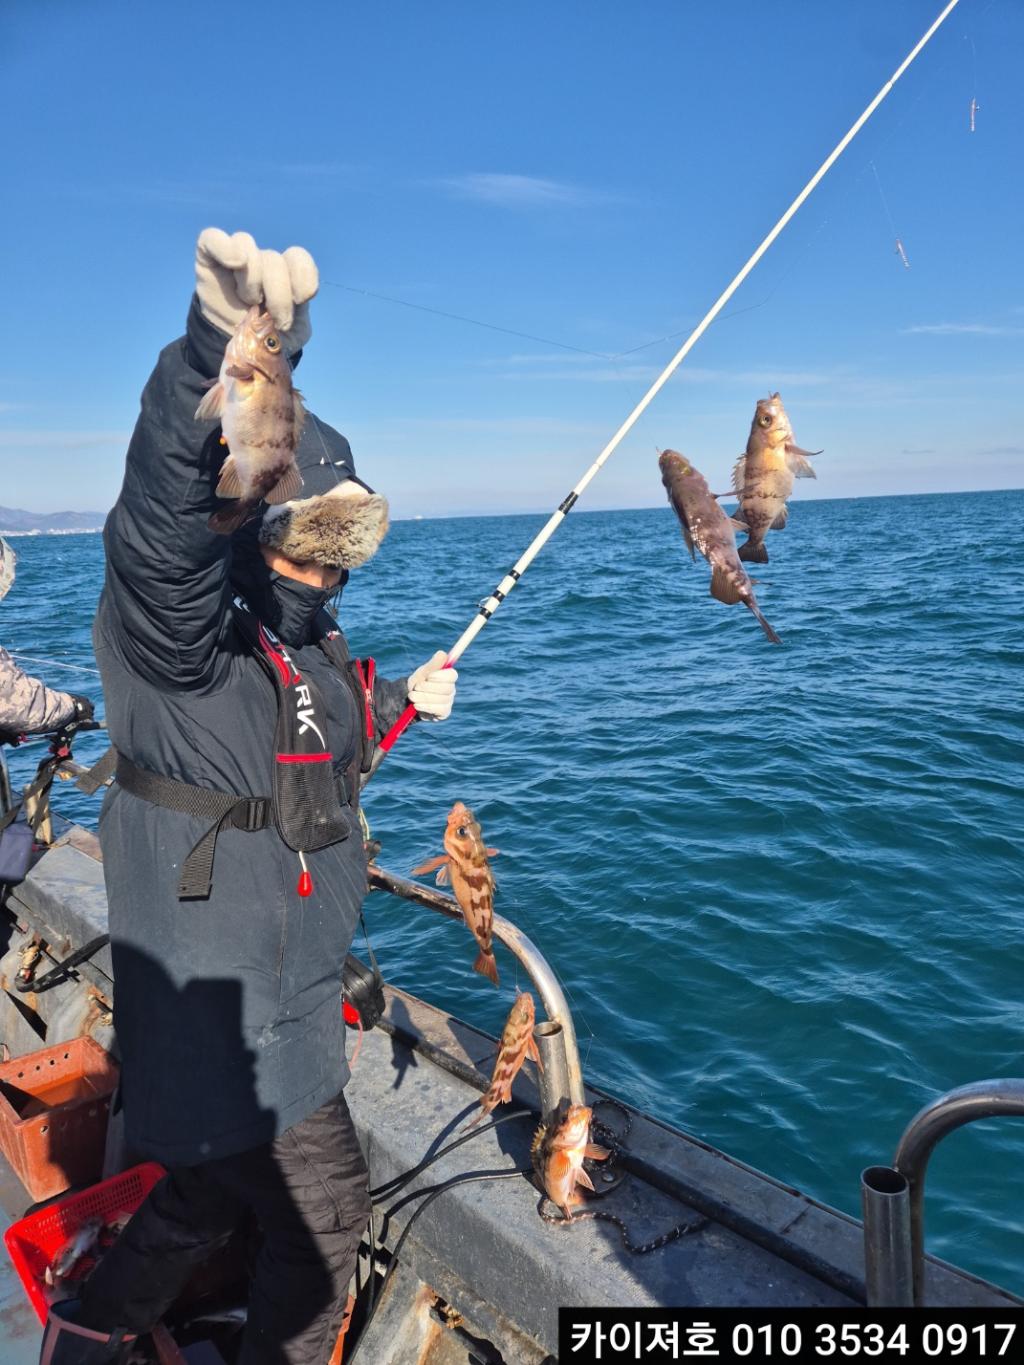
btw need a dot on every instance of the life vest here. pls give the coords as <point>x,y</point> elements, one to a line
<point>305,807</point>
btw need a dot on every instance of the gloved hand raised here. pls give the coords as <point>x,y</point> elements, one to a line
<point>232,274</point>
<point>432,688</point>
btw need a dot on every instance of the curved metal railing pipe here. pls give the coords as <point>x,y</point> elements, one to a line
<point>966,1104</point>
<point>552,996</point>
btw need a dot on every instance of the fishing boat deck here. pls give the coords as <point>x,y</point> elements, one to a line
<point>482,1248</point>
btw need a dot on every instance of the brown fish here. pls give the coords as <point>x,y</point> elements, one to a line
<point>261,416</point>
<point>73,1250</point>
<point>465,861</point>
<point>762,479</point>
<point>705,525</point>
<point>558,1154</point>
<point>517,1043</point>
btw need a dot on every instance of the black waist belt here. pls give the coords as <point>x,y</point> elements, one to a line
<point>225,809</point>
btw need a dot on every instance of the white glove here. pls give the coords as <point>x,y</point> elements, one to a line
<point>232,274</point>
<point>432,688</point>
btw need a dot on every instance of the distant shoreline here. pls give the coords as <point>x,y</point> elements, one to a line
<point>544,511</point>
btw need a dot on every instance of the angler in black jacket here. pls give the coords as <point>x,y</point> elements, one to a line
<point>228,980</point>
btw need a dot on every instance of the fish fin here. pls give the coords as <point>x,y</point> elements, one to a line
<point>212,404</point>
<point>688,538</point>
<point>752,553</point>
<point>227,522</point>
<point>444,874</point>
<point>582,1178</point>
<point>486,965</point>
<point>799,463</point>
<point>739,474</point>
<point>722,588</point>
<point>779,524</point>
<point>775,639</point>
<point>596,1153</point>
<point>475,1120</point>
<point>738,525</point>
<point>230,484</point>
<point>429,865</point>
<point>533,1054</point>
<point>492,852</point>
<point>287,487</point>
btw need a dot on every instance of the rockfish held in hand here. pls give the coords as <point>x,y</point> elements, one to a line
<point>517,1043</point>
<point>465,862</point>
<point>558,1152</point>
<point>261,416</point>
<point>712,531</point>
<point>763,477</point>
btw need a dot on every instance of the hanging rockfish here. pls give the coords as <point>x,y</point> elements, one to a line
<point>558,1153</point>
<point>261,415</point>
<point>517,1043</point>
<point>763,477</point>
<point>465,861</point>
<point>712,531</point>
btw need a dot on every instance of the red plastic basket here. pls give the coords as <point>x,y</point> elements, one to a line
<point>35,1239</point>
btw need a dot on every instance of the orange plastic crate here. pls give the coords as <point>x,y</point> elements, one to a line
<point>54,1106</point>
<point>34,1240</point>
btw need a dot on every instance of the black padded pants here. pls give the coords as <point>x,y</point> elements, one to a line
<point>308,1189</point>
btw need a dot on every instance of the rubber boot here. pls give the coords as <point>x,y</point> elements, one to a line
<point>66,1343</point>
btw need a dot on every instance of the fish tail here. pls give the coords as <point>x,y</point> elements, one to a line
<point>772,636</point>
<point>486,965</point>
<point>753,552</point>
<point>229,520</point>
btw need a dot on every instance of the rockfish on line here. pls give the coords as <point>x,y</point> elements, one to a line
<point>261,415</point>
<point>763,477</point>
<point>465,862</point>
<point>558,1154</point>
<point>713,532</point>
<point>517,1043</point>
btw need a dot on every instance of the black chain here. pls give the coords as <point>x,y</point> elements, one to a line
<point>656,1243</point>
<point>615,1141</point>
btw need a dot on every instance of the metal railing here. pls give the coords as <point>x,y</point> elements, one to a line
<point>558,1035</point>
<point>893,1196</point>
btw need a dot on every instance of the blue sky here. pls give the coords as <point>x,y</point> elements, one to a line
<point>586,172</point>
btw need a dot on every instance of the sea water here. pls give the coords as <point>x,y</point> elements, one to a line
<point>781,885</point>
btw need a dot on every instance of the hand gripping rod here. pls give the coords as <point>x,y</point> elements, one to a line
<point>491,604</point>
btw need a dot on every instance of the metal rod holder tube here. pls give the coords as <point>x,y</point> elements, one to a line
<point>888,1260</point>
<point>553,1073</point>
<point>981,1100</point>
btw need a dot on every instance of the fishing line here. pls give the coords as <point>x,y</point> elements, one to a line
<point>473,322</point>
<point>53,663</point>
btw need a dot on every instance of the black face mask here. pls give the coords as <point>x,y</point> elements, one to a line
<point>289,608</point>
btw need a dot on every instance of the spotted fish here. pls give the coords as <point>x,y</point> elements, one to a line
<point>558,1152</point>
<point>261,416</point>
<point>763,477</point>
<point>517,1043</point>
<point>465,862</point>
<point>707,527</point>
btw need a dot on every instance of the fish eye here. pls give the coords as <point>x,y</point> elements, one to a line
<point>272,343</point>
<point>765,419</point>
<point>460,833</point>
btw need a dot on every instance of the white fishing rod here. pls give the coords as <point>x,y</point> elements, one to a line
<point>491,604</point>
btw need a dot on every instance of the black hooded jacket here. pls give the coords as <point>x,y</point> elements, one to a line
<point>227,1009</point>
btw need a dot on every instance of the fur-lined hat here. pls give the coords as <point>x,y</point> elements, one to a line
<point>340,529</point>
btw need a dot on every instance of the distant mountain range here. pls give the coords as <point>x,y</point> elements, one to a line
<point>14,521</point>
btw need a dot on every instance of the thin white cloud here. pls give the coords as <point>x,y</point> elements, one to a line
<point>520,191</point>
<point>951,329</point>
